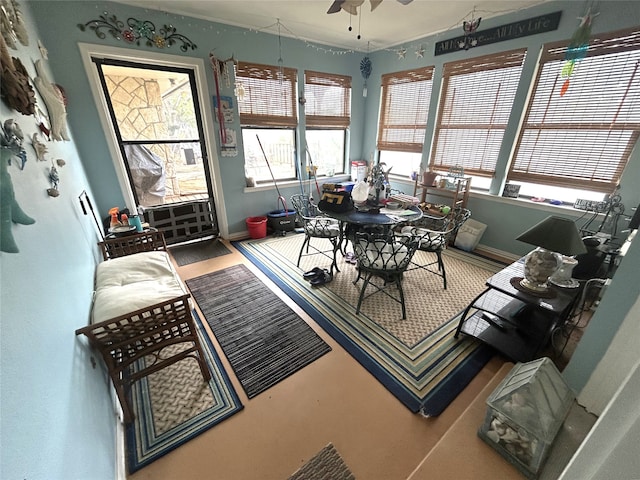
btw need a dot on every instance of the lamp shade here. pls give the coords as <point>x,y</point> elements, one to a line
<point>556,234</point>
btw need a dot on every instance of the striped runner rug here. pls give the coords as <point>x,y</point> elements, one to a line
<point>173,405</point>
<point>264,340</point>
<point>417,359</point>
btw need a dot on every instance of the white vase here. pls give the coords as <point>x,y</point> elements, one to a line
<point>562,276</point>
<point>360,192</point>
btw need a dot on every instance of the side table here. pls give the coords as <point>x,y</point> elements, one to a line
<point>111,235</point>
<point>516,323</point>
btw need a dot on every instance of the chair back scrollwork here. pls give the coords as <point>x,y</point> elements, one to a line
<point>384,253</point>
<point>387,257</point>
<point>433,234</point>
<point>316,225</point>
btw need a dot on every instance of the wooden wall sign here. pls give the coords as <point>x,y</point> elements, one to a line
<point>523,28</point>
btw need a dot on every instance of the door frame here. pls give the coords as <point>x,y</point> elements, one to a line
<point>88,50</point>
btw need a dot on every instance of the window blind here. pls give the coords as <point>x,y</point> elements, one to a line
<point>328,99</point>
<point>584,138</point>
<point>476,101</point>
<point>270,95</point>
<point>404,108</point>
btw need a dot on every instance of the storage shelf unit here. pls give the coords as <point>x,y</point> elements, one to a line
<point>458,193</point>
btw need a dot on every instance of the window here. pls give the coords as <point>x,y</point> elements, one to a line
<point>268,117</point>
<point>476,101</point>
<point>403,118</point>
<point>328,115</point>
<point>582,139</point>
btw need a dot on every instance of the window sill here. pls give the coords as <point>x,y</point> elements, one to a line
<point>263,187</point>
<point>526,203</point>
<point>520,202</point>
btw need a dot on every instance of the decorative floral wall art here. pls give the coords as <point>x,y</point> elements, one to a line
<point>138,32</point>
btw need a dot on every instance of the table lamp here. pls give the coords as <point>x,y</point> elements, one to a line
<point>553,236</point>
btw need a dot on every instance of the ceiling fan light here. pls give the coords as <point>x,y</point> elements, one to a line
<point>351,6</point>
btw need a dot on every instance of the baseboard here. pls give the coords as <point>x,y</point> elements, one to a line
<point>238,236</point>
<point>121,450</point>
<point>495,254</point>
<point>482,250</point>
<point>121,468</point>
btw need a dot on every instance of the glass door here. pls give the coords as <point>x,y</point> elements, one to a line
<point>157,123</point>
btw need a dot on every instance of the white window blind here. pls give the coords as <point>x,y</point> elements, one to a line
<point>476,101</point>
<point>584,138</point>
<point>328,99</point>
<point>405,105</point>
<point>270,95</point>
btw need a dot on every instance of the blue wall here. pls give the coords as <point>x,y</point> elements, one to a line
<point>56,415</point>
<point>55,410</point>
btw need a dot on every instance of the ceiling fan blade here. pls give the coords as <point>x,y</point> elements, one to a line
<point>374,4</point>
<point>335,6</point>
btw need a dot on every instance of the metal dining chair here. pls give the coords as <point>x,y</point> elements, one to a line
<point>433,235</point>
<point>385,256</point>
<point>316,226</point>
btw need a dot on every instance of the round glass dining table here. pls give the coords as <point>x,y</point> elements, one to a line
<point>356,220</point>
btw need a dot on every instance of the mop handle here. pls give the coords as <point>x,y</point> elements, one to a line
<point>283,200</point>
<point>270,171</point>
<point>280,197</point>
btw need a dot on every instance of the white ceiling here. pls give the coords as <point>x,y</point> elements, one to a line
<point>391,24</point>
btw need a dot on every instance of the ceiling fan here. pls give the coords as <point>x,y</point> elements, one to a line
<point>351,6</point>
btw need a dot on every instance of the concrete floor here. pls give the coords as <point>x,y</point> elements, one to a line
<point>333,400</point>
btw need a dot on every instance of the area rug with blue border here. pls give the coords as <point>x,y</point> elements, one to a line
<point>174,405</point>
<point>418,359</point>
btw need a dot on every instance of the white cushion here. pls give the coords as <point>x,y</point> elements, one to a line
<point>432,241</point>
<point>387,258</point>
<point>322,228</point>
<point>126,284</point>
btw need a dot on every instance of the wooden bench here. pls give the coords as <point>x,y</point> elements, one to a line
<point>140,307</point>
